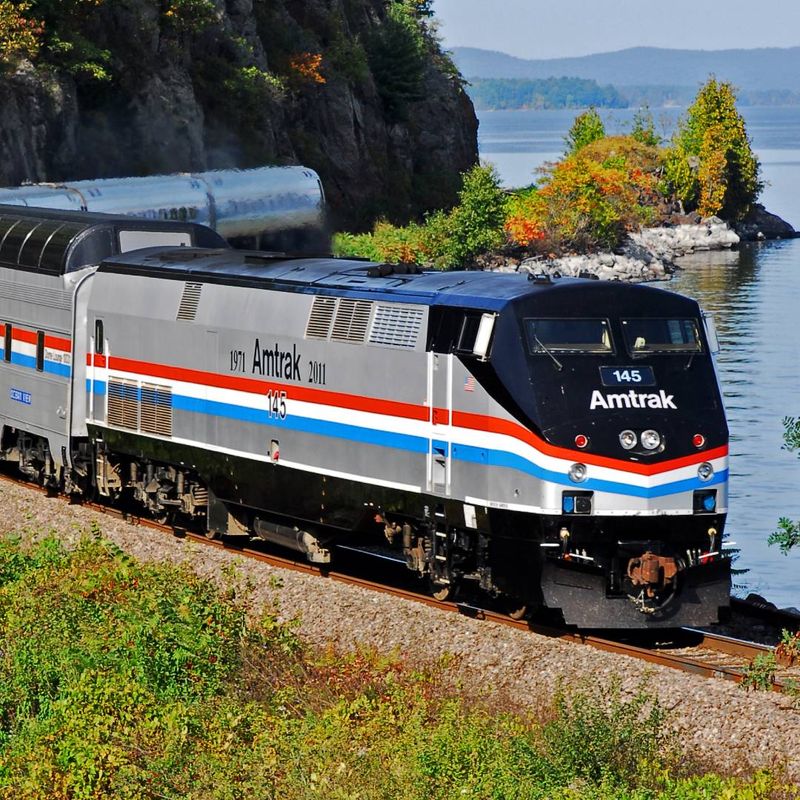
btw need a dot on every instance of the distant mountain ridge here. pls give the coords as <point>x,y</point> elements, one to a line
<point>763,69</point>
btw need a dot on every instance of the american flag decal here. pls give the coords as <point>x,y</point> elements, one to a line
<point>469,383</point>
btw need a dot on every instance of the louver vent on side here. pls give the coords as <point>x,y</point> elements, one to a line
<point>156,413</point>
<point>123,404</point>
<point>352,319</point>
<point>396,326</point>
<point>321,317</point>
<point>189,302</point>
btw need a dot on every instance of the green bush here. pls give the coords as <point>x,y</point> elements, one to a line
<point>132,681</point>
<point>787,536</point>
<point>586,128</point>
<point>445,240</point>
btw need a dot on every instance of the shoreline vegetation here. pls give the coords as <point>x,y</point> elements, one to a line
<point>547,94</point>
<point>620,206</point>
<point>133,680</point>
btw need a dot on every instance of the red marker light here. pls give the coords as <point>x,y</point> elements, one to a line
<point>581,441</point>
<point>698,440</point>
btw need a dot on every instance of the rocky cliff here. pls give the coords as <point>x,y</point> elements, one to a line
<point>357,89</point>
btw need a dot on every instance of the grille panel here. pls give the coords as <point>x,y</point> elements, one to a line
<point>123,403</point>
<point>396,326</point>
<point>352,320</point>
<point>156,410</point>
<point>321,318</point>
<point>187,310</point>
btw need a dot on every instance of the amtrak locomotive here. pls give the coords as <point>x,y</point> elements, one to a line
<point>559,443</point>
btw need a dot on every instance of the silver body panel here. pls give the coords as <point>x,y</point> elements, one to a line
<point>236,203</point>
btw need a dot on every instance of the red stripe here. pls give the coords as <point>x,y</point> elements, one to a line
<point>394,408</point>
<point>53,342</point>
<point>479,422</point>
<point>254,386</point>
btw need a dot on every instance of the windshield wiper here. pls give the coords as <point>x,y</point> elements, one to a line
<point>538,341</point>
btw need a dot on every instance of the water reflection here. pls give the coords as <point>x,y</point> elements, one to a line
<point>755,297</point>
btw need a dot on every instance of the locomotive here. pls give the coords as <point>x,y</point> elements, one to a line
<point>279,208</point>
<point>559,443</point>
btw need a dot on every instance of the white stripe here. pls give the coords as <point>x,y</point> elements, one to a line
<point>487,440</point>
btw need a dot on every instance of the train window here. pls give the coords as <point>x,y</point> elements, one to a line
<point>646,336</point>
<point>8,343</point>
<point>568,336</point>
<point>54,254</point>
<point>99,338</point>
<point>14,240</point>
<point>31,251</point>
<point>468,333</point>
<point>40,351</point>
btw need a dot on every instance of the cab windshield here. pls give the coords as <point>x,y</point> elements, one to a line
<point>646,336</point>
<point>568,336</point>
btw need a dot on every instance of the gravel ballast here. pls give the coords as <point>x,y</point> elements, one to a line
<point>731,730</point>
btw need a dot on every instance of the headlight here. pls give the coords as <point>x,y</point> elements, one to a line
<point>705,471</point>
<point>627,439</point>
<point>577,473</point>
<point>651,440</point>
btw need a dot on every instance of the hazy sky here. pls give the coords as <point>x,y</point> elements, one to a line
<point>538,29</point>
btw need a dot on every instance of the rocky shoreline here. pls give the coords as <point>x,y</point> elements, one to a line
<point>651,254</point>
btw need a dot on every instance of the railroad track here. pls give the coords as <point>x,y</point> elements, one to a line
<point>695,651</point>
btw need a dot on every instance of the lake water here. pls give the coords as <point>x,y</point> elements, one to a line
<point>754,294</point>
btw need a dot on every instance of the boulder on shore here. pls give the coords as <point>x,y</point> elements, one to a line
<point>760,225</point>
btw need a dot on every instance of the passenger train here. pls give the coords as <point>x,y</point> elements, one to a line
<point>558,443</point>
<point>280,208</point>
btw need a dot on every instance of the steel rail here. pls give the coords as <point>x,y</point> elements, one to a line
<point>683,662</point>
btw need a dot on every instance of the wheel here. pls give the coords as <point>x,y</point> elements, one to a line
<point>519,612</point>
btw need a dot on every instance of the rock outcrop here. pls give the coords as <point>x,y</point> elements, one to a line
<point>238,93</point>
<point>760,224</point>
<point>646,255</point>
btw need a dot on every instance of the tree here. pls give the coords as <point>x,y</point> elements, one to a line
<point>587,128</point>
<point>644,129</point>
<point>19,36</point>
<point>711,166</point>
<point>788,534</point>
<point>397,58</point>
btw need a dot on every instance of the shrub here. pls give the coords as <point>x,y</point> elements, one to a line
<point>445,240</point>
<point>20,35</point>
<point>587,128</point>
<point>129,681</point>
<point>583,203</point>
<point>711,166</point>
<point>788,534</point>
<point>644,129</point>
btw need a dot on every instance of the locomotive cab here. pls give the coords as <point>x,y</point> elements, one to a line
<point>617,388</point>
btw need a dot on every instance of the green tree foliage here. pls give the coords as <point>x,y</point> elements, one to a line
<point>788,534</point>
<point>587,128</point>
<point>510,93</point>
<point>711,166</point>
<point>20,34</point>
<point>445,240</point>
<point>396,54</point>
<point>130,681</point>
<point>644,128</point>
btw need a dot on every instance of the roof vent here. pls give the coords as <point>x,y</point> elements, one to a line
<point>396,326</point>
<point>321,318</point>
<point>187,310</point>
<point>352,319</point>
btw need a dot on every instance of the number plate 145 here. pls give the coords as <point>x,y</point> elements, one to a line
<point>627,376</point>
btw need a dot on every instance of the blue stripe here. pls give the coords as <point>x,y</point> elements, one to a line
<point>419,444</point>
<point>500,458</point>
<point>51,367</point>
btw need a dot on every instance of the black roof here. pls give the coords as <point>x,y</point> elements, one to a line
<point>55,242</point>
